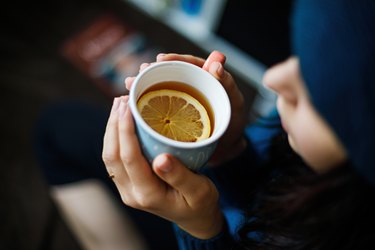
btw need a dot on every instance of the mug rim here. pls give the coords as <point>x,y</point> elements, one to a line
<point>174,143</point>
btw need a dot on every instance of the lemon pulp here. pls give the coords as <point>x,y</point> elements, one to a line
<point>175,114</point>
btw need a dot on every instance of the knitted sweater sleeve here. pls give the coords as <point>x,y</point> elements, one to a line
<point>222,241</point>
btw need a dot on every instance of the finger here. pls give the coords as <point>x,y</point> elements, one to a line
<point>129,82</point>
<point>111,147</point>
<point>215,56</point>
<point>143,66</point>
<point>227,81</point>
<point>179,177</point>
<point>178,57</point>
<point>234,93</point>
<point>110,143</point>
<point>217,70</point>
<point>132,158</point>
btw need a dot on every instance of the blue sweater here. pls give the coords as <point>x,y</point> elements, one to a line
<point>231,180</point>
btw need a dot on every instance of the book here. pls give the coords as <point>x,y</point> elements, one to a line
<point>107,51</point>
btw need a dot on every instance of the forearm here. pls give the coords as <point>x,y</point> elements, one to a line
<point>206,227</point>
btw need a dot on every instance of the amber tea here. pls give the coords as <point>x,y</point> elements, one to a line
<point>185,88</point>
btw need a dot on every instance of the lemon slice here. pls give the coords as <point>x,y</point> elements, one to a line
<point>175,114</point>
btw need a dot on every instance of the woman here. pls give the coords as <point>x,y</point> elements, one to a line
<point>303,187</point>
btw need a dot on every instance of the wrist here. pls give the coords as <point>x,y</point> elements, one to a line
<point>206,228</point>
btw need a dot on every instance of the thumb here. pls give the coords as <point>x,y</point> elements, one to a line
<point>178,176</point>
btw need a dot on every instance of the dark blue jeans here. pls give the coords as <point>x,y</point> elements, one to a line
<point>68,143</point>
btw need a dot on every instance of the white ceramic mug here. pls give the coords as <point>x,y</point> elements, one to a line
<point>193,154</point>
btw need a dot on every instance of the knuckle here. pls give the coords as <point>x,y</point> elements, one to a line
<point>144,202</point>
<point>127,200</point>
<point>206,192</point>
<point>202,192</point>
<point>138,199</point>
<point>143,66</point>
<point>111,124</point>
<point>125,158</point>
<point>109,158</point>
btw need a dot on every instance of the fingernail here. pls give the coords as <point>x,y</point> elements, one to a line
<point>160,56</point>
<point>126,79</point>
<point>206,63</point>
<point>143,66</point>
<point>115,104</point>
<point>163,163</point>
<point>217,68</point>
<point>128,82</point>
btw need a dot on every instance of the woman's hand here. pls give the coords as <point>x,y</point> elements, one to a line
<point>232,143</point>
<point>168,189</point>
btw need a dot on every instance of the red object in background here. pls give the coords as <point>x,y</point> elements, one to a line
<point>107,51</point>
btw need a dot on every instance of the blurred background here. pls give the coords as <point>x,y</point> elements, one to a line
<point>83,49</point>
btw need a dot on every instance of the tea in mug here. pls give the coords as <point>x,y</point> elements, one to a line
<point>177,111</point>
